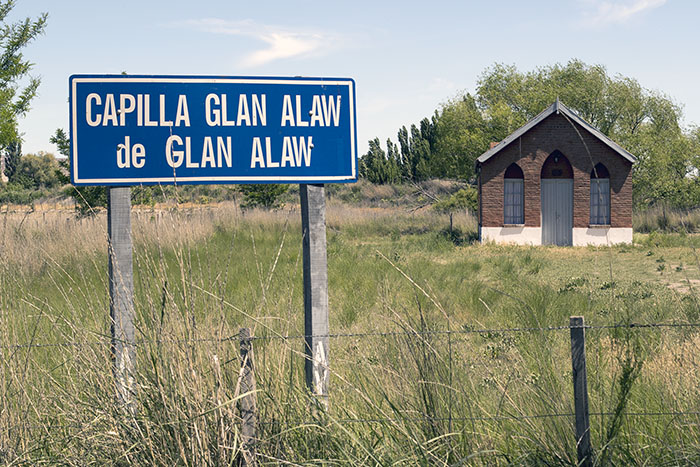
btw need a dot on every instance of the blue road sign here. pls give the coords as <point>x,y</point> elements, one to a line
<point>133,130</point>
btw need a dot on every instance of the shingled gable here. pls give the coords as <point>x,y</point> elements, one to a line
<point>558,108</point>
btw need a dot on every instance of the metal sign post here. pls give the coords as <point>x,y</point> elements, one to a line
<point>121,291</point>
<point>578,362</point>
<point>313,225</point>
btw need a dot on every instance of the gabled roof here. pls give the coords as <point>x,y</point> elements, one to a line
<point>556,107</point>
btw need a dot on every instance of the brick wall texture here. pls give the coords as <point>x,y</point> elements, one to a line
<point>530,152</point>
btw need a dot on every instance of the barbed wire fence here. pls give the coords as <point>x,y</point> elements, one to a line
<point>293,337</point>
<point>247,341</point>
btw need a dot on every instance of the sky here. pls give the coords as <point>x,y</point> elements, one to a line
<point>406,57</point>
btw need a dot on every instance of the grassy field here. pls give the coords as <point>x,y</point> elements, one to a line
<point>399,396</point>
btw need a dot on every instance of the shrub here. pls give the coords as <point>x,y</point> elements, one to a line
<point>262,196</point>
<point>36,171</point>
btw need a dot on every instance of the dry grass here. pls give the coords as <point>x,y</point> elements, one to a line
<point>30,239</point>
<point>660,218</point>
<point>676,365</point>
<point>203,272</point>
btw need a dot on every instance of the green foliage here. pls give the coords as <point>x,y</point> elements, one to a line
<point>465,198</point>
<point>407,161</point>
<point>60,139</point>
<point>36,171</point>
<point>15,194</point>
<point>17,87</point>
<point>30,177</point>
<point>643,121</point>
<point>460,130</point>
<point>88,198</point>
<point>380,167</point>
<point>266,196</point>
<point>12,156</point>
<point>667,170</point>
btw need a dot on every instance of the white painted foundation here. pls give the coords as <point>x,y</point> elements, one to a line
<point>602,235</point>
<point>582,236</point>
<point>516,235</point>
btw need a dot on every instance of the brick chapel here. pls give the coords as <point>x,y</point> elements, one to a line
<point>556,181</point>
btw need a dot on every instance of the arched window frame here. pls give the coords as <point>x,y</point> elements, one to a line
<point>600,196</point>
<point>513,196</point>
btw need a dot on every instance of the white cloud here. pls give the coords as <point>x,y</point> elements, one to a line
<point>281,42</point>
<point>283,45</point>
<point>610,12</point>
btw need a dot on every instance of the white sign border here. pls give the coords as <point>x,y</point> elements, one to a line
<point>204,80</point>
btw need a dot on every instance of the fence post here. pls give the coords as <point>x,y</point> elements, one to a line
<point>313,225</point>
<point>246,403</point>
<point>121,292</point>
<point>578,361</point>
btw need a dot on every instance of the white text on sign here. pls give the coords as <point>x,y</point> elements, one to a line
<point>121,110</point>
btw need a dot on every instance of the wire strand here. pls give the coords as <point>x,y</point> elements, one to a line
<point>363,334</point>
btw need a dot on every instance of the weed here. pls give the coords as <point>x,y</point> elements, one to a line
<point>573,284</point>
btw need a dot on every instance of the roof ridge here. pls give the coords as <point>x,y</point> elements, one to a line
<point>556,107</point>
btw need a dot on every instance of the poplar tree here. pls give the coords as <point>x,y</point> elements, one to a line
<point>12,155</point>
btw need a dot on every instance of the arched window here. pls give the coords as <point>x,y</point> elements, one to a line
<point>513,195</point>
<point>600,195</point>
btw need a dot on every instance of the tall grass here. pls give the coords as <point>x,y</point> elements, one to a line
<point>408,394</point>
<point>664,219</point>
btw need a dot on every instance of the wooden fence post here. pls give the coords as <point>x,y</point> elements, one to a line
<point>578,361</point>
<point>246,403</point>
<point>313,224</point>
<point>121,292</point>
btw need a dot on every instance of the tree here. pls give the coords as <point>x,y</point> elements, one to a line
<point>406,170</point>
<point>36,171</point>
<point>372,163</point>
<point>17,87</point>
<point>419,154</point>
<point>460,132</point>
<point>60,139</point>
<point>12,156</point>
<point>381,167</point>
<point>643,121</point>
<point>393,157</point>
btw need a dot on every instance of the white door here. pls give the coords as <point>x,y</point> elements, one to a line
<point>557,211</point>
